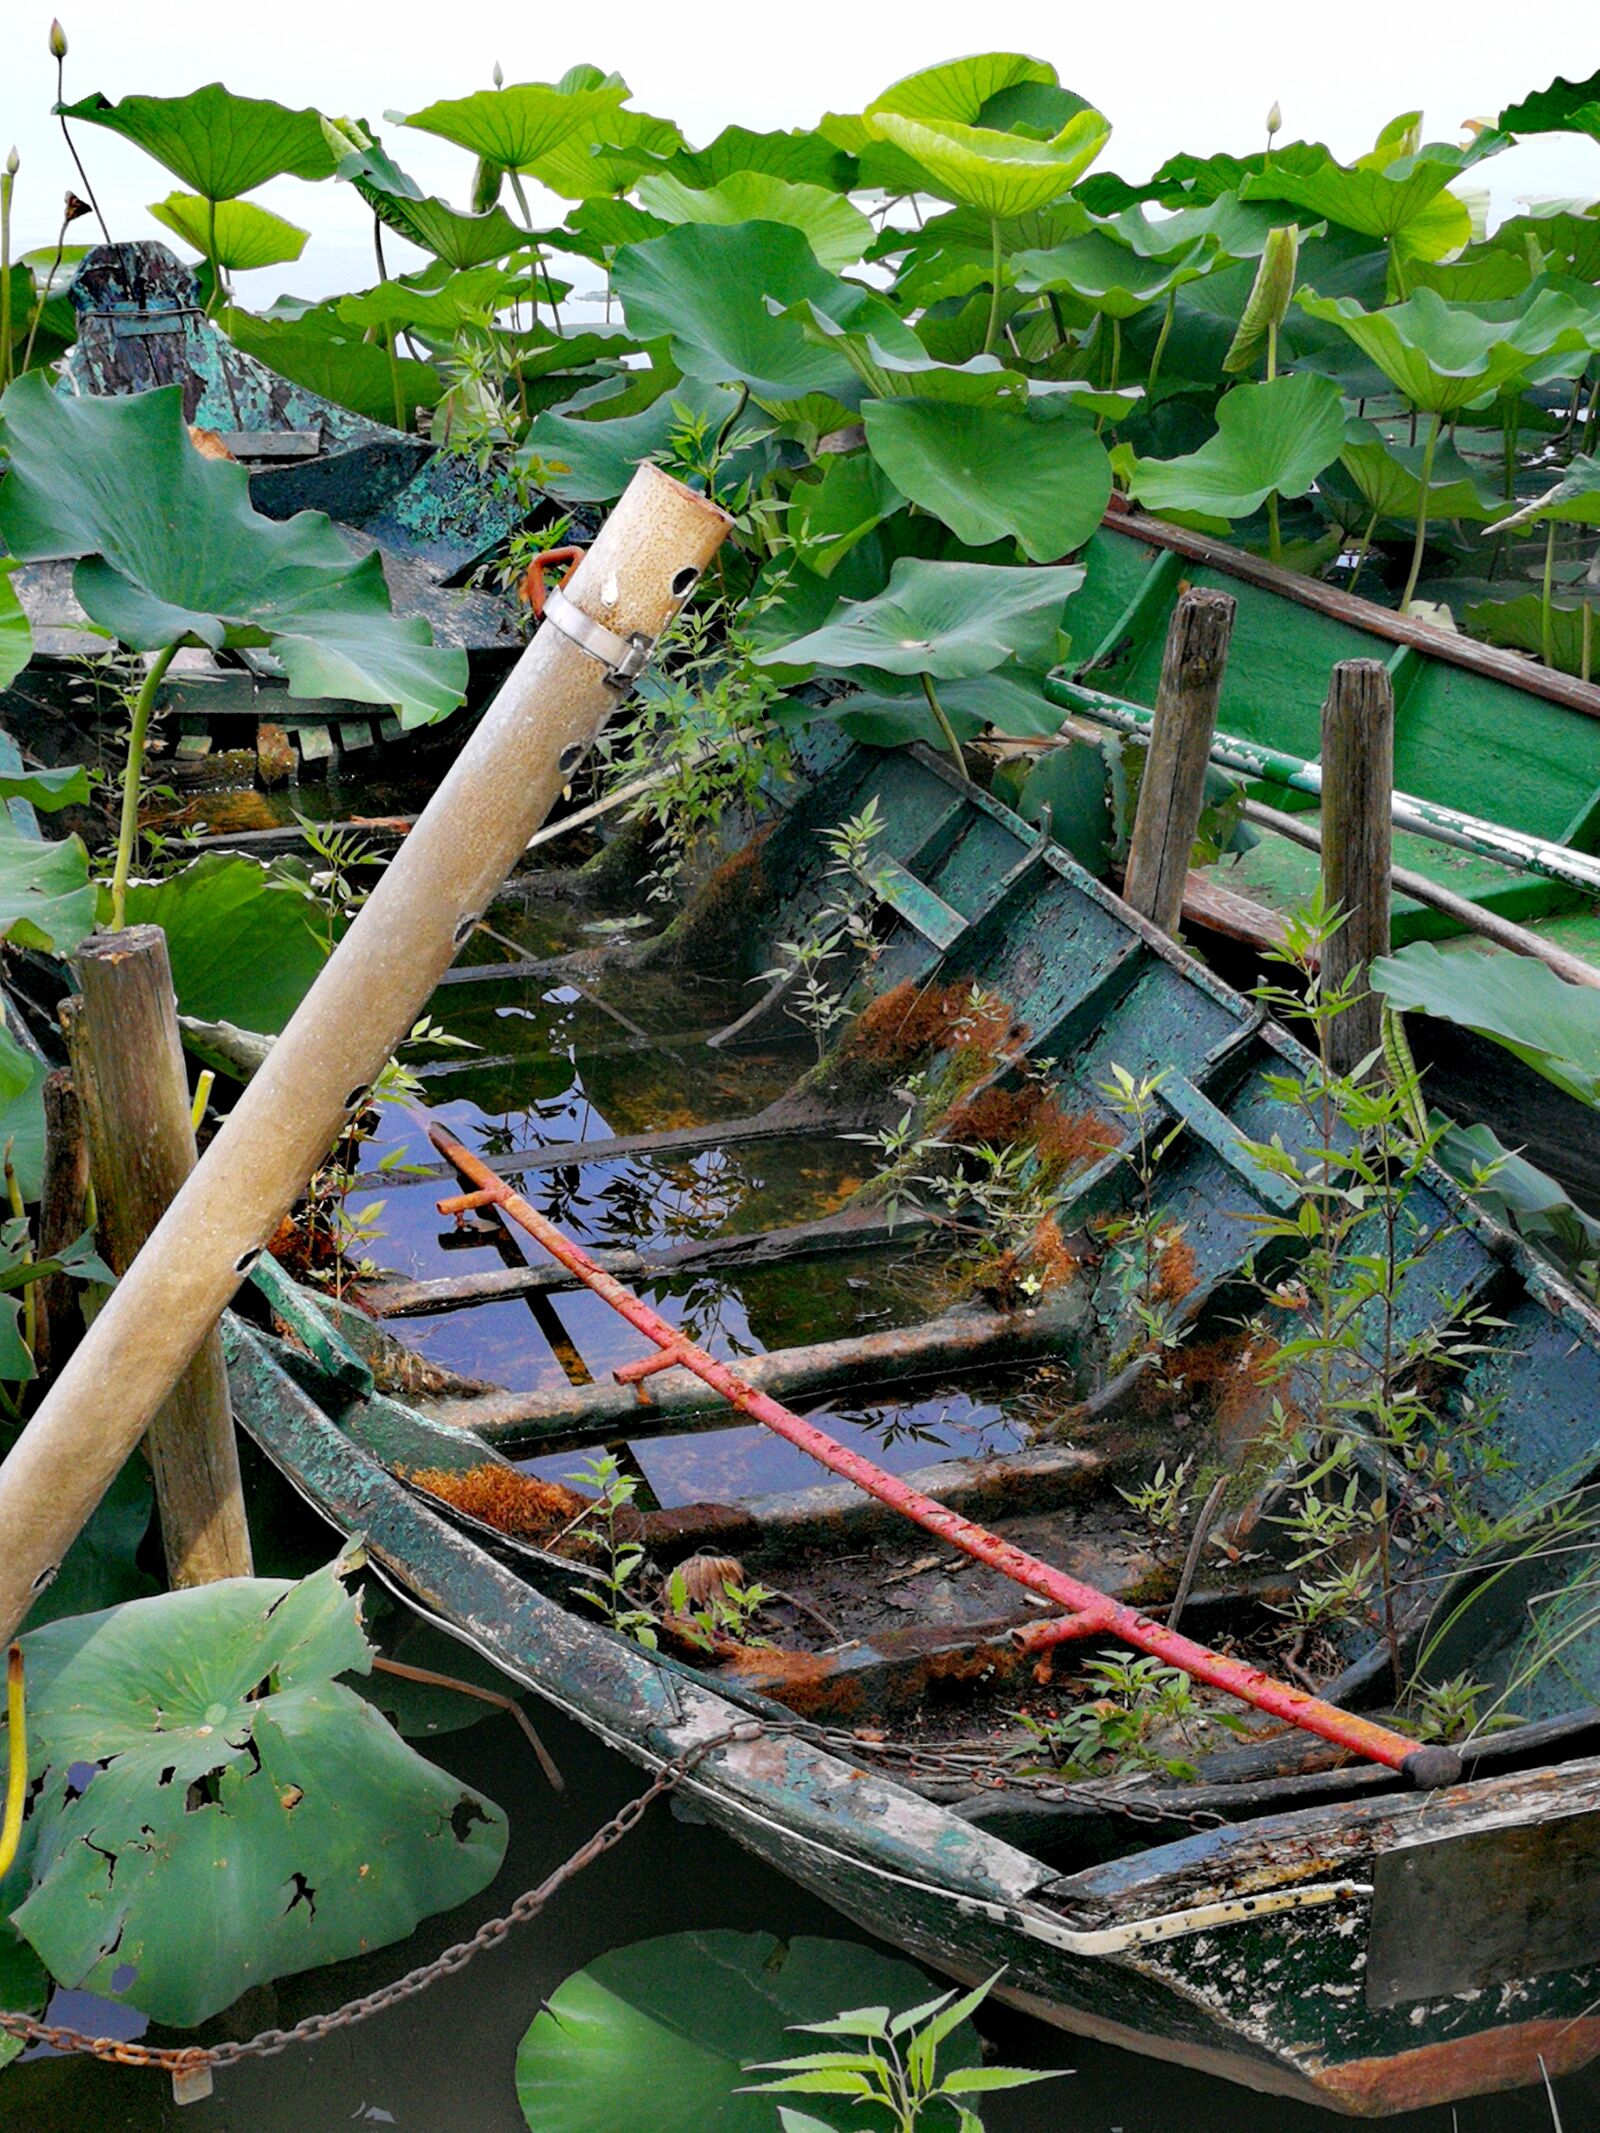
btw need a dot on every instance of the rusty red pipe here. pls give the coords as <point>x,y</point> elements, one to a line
<point>1089,1612</point>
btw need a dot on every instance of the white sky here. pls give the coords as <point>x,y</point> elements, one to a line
<point>1169,74</point>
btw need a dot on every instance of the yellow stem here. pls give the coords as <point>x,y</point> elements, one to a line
<point>202,1096</point>
<point>17,1767</point>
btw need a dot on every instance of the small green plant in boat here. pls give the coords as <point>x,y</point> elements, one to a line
<point>1135,1714</point>
<point>610,1525</point>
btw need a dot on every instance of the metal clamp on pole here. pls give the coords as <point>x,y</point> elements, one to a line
<point>624,658</point>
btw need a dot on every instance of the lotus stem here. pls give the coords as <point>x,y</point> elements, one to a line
<point>944,725</point>
<point>58,49</point>
<point>390,341</point>
<point>1422,509</point>
<point>1116,353</point>
<point>1161,344</point>
<point>49,283</point>
<point>132,777</point>
<point>211,256</point>
<point>1274,536</point>
<point>17,1762</point>
<point>993,327</point>
<point>1362,551</point>
<point>1588,638</point>
<point>1508,450</point>
<point>8,178</point>
<point>1399,271</point>
<point>203,1087</point>
<point>1547,626</point>
<point>1589,417</point>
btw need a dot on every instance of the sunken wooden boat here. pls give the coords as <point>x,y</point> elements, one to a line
<point>1292,1911</point>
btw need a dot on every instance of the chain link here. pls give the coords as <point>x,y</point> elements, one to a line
<point>189,2059</point>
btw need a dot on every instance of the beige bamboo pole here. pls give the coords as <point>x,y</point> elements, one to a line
<point>640,570</point>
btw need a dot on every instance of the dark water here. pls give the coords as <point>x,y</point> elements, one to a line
<point>443,2063</point>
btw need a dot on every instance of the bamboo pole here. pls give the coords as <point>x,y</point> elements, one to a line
<point>127,1064</point>
<point>1357,845</point>
<point>640,570</point>
<point>1172,790</point>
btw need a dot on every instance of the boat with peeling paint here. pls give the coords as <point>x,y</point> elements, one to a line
<point>1268,1901</point>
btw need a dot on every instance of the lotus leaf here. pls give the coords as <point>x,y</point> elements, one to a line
<point>1563,634</point>
<point>237,234</point>
<point>1271,438</point>
<point>609,148</point>
<point>477,292</point>
<point>627,2026</point>
<point>46,898</point>
<point>1104,270</point>
<point>1445,356</point>
<point>172,551</point>
<point>711,290</point>
<point>963,90</point>
<point>1237,229</point>
<point>1389,478</point>
<point>1565,107</point>
<point>1573,500</point>
<point>1513,1000</point>
<point>591,461</point>
<point>248,1815</point>
<point>802,158</point>
<point>953,253</point>
<point>343,368</point>
<point>16,637</point>
<point>459,239</point>
<point>599,228</point>
<point>949,620</point>
<point>837,232</point>
<point>514,126</point>
<point>1405,203</point>
<point>1038,473</point>
<point>1520,1194</point>
<point>1001,174</point>
<point>218,144</point>
<point>889,711</point>
<point>828,517</point>
<point>245,940</point>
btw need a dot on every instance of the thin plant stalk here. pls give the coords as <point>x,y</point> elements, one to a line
<point>1547,628</point>
<point>8,179</point>
<point>944,725</point>
<point>58,46</point>
<point>1161,344</point>
<point>1588,638</point>
<point>1362,551</point>
<point>390,340</point>
<point>30,1294</point>
<point>1422,510</point>
<point>44,293</point>
<point>132,777</point>
<point>211,256</point>
<point>992,330</point>
<point>1274,533</point>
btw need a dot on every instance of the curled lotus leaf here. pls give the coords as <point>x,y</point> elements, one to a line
<point>237,234</point>
<point>1445,356</point>
<point>948,620</point>
<point>836,231</point>
<point>1001,174</point>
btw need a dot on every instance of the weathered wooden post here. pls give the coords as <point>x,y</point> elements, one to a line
<point>1357,843</point>
<point>128,1066</point>
<point>1172,791</point>
<point>597,636</point>
<point>63,1205</point>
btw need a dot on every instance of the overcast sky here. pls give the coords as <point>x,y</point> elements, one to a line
<point>1199,76</point>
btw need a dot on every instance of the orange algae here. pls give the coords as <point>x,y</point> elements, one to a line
<point>511,1502</point>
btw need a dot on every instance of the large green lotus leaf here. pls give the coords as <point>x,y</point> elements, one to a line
<point>596,229</point>
<point>961,89</point>
<point>244,236</point>
<point>1276,436</point>
<point>1574,500</point>
<point>1483,274</point>
<point>800,157</point>
<point>1564,107</point>
<point>1236,228</point>
<point>712,289</point>
<point>1444,356</point>
<point>953,253</point>
<point>46,897</point>
<point>476,292</point>
<point>1522,625</point>
<point>892,710</point>
<point>353,372</point>
<point>837,232</point>
<point>16,637</point>
<point>1001,174</point>
<point>1108,274</point>
<point>608,149</point>
<point>590,461</point>
<point>944,619</point>
<point>1389,477</point>
<point>682,2018</point>
<point>518,124</point>
<point>1514,1000</point>
<point>245,940</point>
<point>1038,474</point>
<point>1405,203</point>
<point>1565,241</point>
<point>905,369</point>
<point>828,517</point>
<point>173,549</point>
<point>459,239</point>
<point>250,1816</point>
<point>218,144</point>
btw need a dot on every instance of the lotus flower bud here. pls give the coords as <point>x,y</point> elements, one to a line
<point>1274,119</point>
<point>499,75</point>
<point>58,40</point>
<point>13,164</point>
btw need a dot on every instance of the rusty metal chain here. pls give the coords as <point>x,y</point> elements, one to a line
<point>180,2060</point>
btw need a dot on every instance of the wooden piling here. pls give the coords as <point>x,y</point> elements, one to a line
<point>1357,844</point>
<point>128,1070</point>
<point>63,1203</point>
<point>1172,791</point>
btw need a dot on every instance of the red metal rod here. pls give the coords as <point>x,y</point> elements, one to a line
<point>1091,1612</point>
